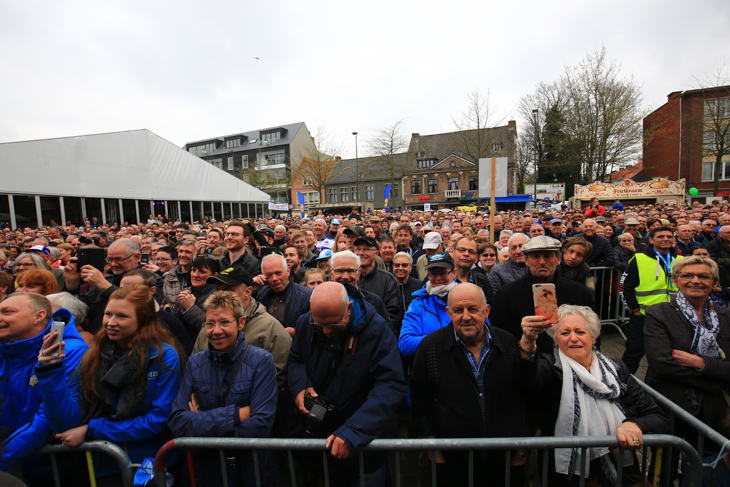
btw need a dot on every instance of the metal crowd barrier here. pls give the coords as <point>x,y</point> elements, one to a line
<point>609,304</point>
<point>677,413</point>
<point>110,449</point>
<point>399,445</point>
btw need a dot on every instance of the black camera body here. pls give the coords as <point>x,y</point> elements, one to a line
<point>319,408</point>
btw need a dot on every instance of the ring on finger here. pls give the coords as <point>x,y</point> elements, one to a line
<point>636,441</point>
<point>43,353</point>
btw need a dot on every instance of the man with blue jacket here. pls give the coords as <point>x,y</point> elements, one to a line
<point>344,359</point>
<point>24,321</point>
<point>427,311</point>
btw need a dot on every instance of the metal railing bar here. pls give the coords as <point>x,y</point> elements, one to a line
<point>620,468</point>
<point>256,468</point>
<point>361,465</point>
<point>545,460</point>
<point>583,452</point>
<point>292,473</point>
<point>471,468</point>
<point>108,448</point>
<point>325,462</point>
<point>224,470</point>
<point>397,469</point>
<point>54,469</point>
<point>507,461</point>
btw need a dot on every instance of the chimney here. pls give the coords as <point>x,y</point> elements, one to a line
<point>511,124</point>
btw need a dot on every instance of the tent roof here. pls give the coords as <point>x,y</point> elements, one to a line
<point>135,164</point>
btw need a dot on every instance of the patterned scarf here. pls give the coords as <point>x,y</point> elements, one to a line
<point>588,407</point>
<point>440,291</point>
<point>704,342</point>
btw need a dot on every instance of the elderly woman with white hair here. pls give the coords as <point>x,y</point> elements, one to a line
<point>584,393</point>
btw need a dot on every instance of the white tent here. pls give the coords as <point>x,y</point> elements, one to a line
<point>116,177</point>
<point>135,165</point>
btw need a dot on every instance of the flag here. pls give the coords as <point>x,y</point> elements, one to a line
<point>386,194</point>
<point>300,196</point>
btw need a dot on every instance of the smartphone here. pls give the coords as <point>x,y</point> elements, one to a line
<point>92,257</point>
<point>546,302</point>
<point>57,327</point>
<point>145,258</point>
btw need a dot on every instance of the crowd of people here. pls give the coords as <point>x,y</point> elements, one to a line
<point>356,327</point>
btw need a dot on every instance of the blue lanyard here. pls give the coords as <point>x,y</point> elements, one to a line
<point>667,261</point>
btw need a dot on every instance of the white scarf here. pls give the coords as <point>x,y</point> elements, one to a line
<point>440,291</point>
<point>588,409</point>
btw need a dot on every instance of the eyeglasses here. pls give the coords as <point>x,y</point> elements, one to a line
<point>489,255</point>
<point>25,265</point>
<point>687,276</point>
<point>401,265</point>
<point>222,324</point>
<point>162,259</point>
<point>342,321</point>
<point>345,271</point>
<point>362,249</point>
<point>117,260</point>
<point>233,234</point>
<point>465,251</point>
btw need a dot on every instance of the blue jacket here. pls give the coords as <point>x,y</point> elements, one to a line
<point>296,297</point>
<point>143,435</point>
<point>366,389</point>
<point>254,385</point>
<point>426,313</point>
<point>23,412</point>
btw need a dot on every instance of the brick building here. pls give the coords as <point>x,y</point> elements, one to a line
<point>678,134</point>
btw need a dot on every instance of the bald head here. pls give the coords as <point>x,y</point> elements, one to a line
<point>330,307</point>
<point>469,291</point>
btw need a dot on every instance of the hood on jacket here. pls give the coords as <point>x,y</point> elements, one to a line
<point>35,343</point>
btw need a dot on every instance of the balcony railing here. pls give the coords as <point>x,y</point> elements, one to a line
<point>452,193</point>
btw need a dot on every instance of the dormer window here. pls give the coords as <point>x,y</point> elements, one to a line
<point>425,163</point>
<point>270,137</point>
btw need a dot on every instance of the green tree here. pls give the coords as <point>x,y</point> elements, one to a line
<point>561,162</point>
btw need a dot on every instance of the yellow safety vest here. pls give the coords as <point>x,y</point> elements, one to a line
<point>654,284</point>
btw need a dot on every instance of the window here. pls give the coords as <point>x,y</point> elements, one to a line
<point>217,163</point>
<point>416,186</point>
<point>370,192</point>
<point>306,181</point>
<point>708,140</point>
<point>202,150</point>
<point>497,147</point>
<point>717,109</point>
<point>333,195</point>
<point>453,163</point>
<point>355,194</point>
<point>453,183</point>
<point>393,193</point>
<point>312,197</point>
<point>473,183</point>
<point>244,161</point>
<point>232,143</point>
<point>230,163</point>
<point>708,168</point>
<point>271,158</point>
<point>270,137</point>
<point>426,163</point>
<point>344,195</point>
<point>433,185</point>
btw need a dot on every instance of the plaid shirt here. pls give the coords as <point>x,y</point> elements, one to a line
<point>477,369</point>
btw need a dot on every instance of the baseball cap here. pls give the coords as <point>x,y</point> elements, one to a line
<point>232,276</point>
<point>356,231</point>
<point>442,260</point>
<point>601,219</point>
<point>41,248</point>
<point>325,254</point>
<point>335,221</point>
<point>367,241</point>
<point>556,220</point>
<point>432,240</point>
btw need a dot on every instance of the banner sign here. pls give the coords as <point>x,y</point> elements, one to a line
<point>279,206</point>
<point>663,190</point>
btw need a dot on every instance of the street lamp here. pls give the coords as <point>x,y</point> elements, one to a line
<point>357,171</point>
<point>534,186</point>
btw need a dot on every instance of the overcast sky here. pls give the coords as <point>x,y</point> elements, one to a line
<point>191,70</point>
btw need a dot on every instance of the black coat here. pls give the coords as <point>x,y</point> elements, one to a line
<point>514,301</point>
<point>699,392</point>
<point>445,397</point>
<point>384,285</point>
<point>602,255</point>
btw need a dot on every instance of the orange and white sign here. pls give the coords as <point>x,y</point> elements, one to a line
<point>663,190</point>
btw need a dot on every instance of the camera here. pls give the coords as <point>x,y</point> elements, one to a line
<point>319,408</point>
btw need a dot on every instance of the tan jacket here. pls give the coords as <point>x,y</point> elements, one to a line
<point>264,331</point>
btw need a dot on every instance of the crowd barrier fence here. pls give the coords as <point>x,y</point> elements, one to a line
<point>544,444</point>
<point>609,305</point>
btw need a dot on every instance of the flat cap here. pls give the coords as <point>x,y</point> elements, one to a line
<point>541,243</point>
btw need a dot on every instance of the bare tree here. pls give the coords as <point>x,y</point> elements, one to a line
<point>715,121</point>
<point>319,161</point>
<point>472,138</point>
<point>524,161</point>
<point>388,144</point>
<point>603,114</point>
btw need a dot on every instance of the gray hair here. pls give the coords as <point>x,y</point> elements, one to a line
<point>66,300</point>
<point>130,245</point>
<point>344,254</point>
<point>509,242</point>
<point>506,232</point>
<point>404,254</point>
<point>39,261</point>
<point>592,321</point>
<point>695,260</point>
<point>186,241</point>
<point>280,227</point>
<point>269,257</point>
<point>55,253</point>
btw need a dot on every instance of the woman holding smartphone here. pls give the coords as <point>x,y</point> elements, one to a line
<point>127,381</point>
